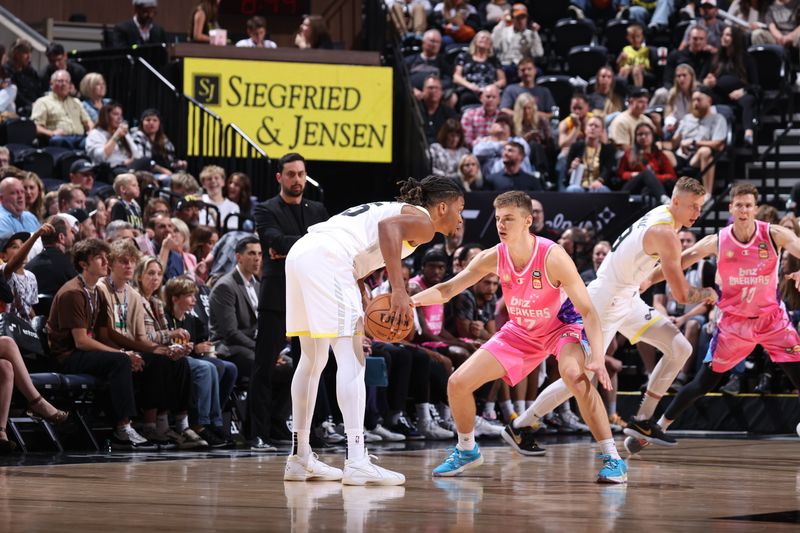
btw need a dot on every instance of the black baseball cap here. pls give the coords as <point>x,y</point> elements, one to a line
<point>6,240</point>
<point>81,166</point>
<point>80,214</point>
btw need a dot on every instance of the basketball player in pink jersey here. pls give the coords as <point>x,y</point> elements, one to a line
<point>325,270</point>
<point>540,285</point>
<point>748,262</point>
<point>653,239</point>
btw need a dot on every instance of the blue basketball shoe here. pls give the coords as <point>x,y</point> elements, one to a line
<point>459,461</point>
<point>613,471</point>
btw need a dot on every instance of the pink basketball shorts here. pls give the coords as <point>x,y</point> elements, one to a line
<point>736,337</point>
<point>521,351</point>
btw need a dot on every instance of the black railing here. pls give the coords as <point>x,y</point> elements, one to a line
<point>411,145</point>
<point>776,146</point>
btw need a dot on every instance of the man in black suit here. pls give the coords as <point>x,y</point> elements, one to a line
<point>280,222</point>
<point>141,29</point>
<point>233,307</point>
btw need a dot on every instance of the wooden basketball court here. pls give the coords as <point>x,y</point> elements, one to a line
<point>703,484</point>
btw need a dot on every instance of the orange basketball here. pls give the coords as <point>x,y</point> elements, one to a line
<point>378,324</point>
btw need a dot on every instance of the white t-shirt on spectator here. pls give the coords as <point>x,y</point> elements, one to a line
<point>225,208</point>
<point>248,43</point>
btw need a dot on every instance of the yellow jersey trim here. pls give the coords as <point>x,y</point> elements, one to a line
<point>644,328</point>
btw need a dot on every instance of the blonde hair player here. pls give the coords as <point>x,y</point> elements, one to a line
<point>748,260</point>
<point>325,293</point>
<point>540,285</point>
<point>615,294</point>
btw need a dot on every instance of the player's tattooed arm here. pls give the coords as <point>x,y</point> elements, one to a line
<point>703,248</point>
<point>696,295</point>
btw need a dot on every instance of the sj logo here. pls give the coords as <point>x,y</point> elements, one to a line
<point>206,89</point>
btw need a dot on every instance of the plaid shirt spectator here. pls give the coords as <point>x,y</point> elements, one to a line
<point>476,123</point>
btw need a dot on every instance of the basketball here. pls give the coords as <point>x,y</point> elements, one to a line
<point>377,322</point>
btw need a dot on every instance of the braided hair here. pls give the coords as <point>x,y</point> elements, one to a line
<point>429,191</point>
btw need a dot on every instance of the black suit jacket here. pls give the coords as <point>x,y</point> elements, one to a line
<point>278,229</point>
<point>126,34</point>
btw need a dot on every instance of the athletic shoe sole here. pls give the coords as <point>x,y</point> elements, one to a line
<point>511,442</point>
<point>474,464</point>
<point>631,432</point>
<point>617,480</point>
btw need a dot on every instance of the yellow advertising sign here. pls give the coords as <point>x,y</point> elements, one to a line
<point>324,112</point>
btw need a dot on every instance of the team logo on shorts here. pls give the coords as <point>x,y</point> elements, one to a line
<point>763,253</point>
<point>536,279</point>
<point>572,334</point>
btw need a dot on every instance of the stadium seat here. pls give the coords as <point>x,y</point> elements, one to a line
<point>18,131</point>
<point>615,36</point>
<point>562,88</point>
<point>677,33</point>
<point>570,33</point>
<point>35,160</point>
<point>773,77</point>
<point>585,61</point>
<point>547,13</point>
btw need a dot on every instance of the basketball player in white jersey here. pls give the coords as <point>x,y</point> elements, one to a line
<point>615,295</point>
<point>324,307</point>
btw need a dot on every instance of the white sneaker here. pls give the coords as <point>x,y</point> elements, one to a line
<point>363,472</point>
<point>387,435</point>
<point>572,421</point>
<point>433,431</point>
<point>192,440</point>
<point>309,469</point>
<point>485,429</point>
<point>371,436</point>
<point>327,432</point>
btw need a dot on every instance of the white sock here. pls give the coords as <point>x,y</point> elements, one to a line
<point>300,444</point>
<point>488,407</point>
<point>182,423</point>
<point>647,408</point>
<point>507,408</point>
<point>527,418</point>
<point>394,418</point>
<point>608,447</point>
<point>519,406</point>
<point>162,423</point>
<point>423,412</point>
<point>664,423</point>
<point>466,441</point>
<point>355,444</point>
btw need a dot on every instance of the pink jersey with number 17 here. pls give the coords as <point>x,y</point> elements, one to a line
<point>747,273</point>
<point>534,305</point>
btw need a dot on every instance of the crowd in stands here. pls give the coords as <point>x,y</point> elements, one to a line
<point>697,89</point>
<point>170,287</point>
